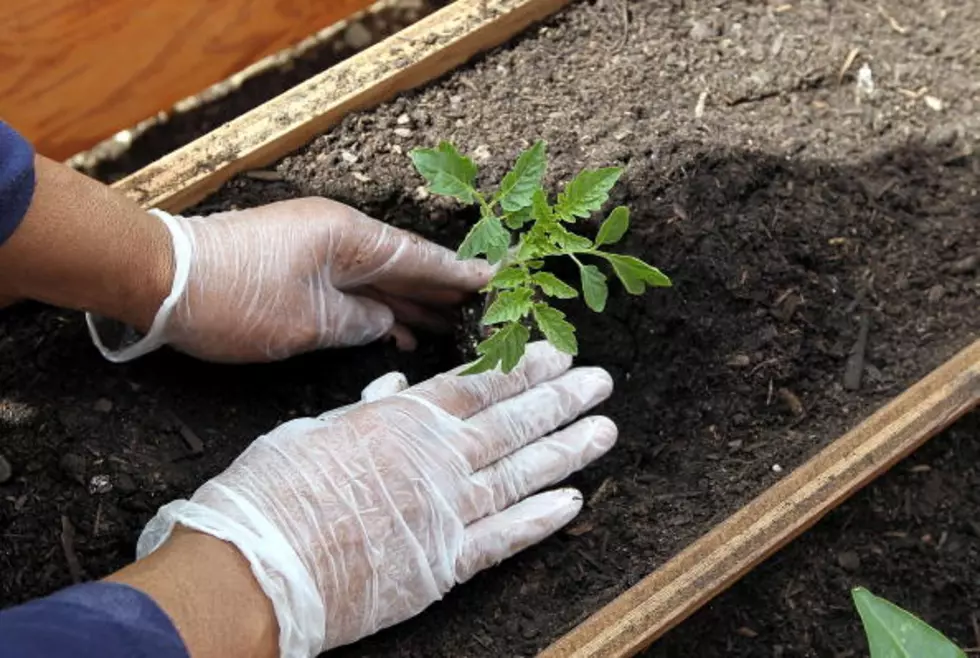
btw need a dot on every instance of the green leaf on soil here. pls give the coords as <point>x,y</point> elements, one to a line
<point>447,171</point>
<point>517,219</point>
<point>568,241</point>
<point>895,633</point>
<point>615,226</point>
<point>635,274</point>
<point>540,208</point>
<point>553,286</point>
<point>510,277</point>
<point>556,328</point>
<point>586,193</point>
<point>504,347</point>
<point>594,288</point>
<point>519,185</point>
<point>509,306</point>
<point>488,237</point>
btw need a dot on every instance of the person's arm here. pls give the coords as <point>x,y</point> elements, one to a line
<point>251,285</point>
<point>83,246</point>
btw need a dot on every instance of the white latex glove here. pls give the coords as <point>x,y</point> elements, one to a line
<point>361,518</point>
<point>289,277</point>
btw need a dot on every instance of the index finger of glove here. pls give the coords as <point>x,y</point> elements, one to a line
<point>466,395</point>
<point>369,252</point>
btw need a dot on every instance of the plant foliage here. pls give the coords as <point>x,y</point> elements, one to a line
<point>895,633</point>
<point>519,228</point>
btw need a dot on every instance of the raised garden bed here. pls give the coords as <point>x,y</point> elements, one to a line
<point>789,209</point>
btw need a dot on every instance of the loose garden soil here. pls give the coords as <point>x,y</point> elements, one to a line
<point>790,197</point>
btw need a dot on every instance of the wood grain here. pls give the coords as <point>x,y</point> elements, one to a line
<point>413,57</point>
<point>74,72</point>
<point>666,597</point>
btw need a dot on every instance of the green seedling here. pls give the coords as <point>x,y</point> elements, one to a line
<point>518,230</point>
<point>895,633</point>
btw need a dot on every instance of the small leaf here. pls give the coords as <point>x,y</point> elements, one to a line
<point>509,306</point>
<point>540,208</point>
<point>517,219</point>
<point>520,184</point>
<point>895,633</point>
<point>613,229</point>
<point>635,274</point>
<point>489,237</point>
<point>568,242</point>
<point>510,277</point>
<point>534,245</point>
<point>553,286</point>
<point>587,193</point>
<point>447,171</point>
<point>594,288</point>
<point>556,328</point>
<point>504,347</point>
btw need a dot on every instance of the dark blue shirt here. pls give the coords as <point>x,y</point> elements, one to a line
<point>95,620</point>
<point>16,180</point>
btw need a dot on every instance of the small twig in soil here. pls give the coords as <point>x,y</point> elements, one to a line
<point>854,369</point>
<point>607,488</point>
<point>625,9</point>
<point>97,524</point>
<point>68,546</point>
<point>894,24</point>
<point>193,441</point>
<point>848,62</point>
<point>263,175</point>
<point>679,494</point>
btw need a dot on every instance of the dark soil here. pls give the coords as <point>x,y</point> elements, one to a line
<point>787,206</point>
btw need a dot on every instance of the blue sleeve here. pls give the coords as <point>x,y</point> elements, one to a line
<point>16,180</point>
<point>95,620</point>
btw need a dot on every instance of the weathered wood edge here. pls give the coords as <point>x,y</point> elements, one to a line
<point>416,55</point>
<point>666,597</point>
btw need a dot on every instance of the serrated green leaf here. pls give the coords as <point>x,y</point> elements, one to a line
<point>586,193</point>
<point>553,286</point>
<point>635,274</point>
<point>517,219</point>
<point>487,237</point>
<point>568,242</point>
<point>510,277</point>
<point>594,288</point>
<point>615,226</point>
<point>504,347</point>
<point>509,306</point>
<point>540,208</point>
<point>520,184</point>
<point>895,633</point>
<point>535,245</point>
<point>556,328</point>
<point>447,171</point>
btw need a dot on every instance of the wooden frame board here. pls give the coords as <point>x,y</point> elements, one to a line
<point>711,564</point>
<point>416,55</point>
<point>76,71</point>
<point>666,597</point>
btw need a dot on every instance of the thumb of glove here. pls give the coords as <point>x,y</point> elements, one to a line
<point>358,320</point>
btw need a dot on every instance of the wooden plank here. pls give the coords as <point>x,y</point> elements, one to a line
<point>666,597</point>
<point>413,57</point>
<point>74,72</point>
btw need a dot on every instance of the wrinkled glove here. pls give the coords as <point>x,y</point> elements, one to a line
<point>289,277</point>
<point>361,518</point>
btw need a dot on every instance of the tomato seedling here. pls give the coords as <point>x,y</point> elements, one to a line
<point>518,230</point>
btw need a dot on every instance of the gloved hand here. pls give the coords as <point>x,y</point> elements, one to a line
<point>361,518</point>
<point>277,280</point>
